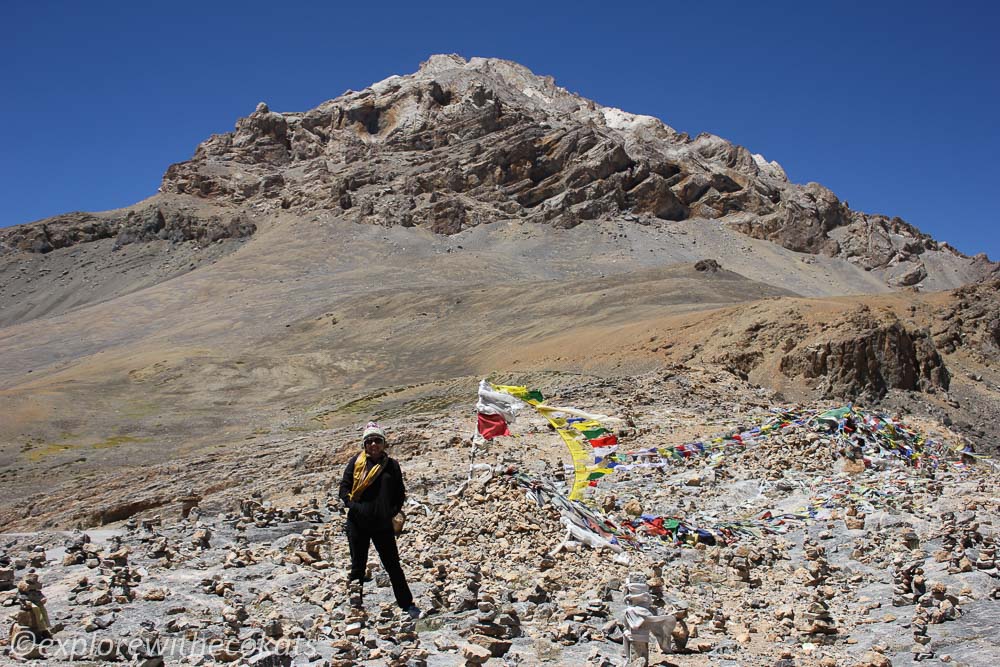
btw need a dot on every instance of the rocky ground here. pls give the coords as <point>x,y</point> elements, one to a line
<point>816,558</point>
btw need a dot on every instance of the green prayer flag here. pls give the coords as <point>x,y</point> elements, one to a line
<point>836,414</point>
<point>593,433</point>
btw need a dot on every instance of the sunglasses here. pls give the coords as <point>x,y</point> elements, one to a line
<point>374,441</point>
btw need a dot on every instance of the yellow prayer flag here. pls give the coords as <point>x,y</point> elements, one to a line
<point>513,390</point>
<point>586,425</point>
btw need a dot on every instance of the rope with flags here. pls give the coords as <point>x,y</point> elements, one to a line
<point>852,427</point>
<point>585,435</point>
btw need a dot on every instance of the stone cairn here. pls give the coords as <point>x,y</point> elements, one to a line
<point>189,502</point>
<point>921,640</point>
<point>464,596</point>
<point>641,621</point>
<point>656,583</point>
<point>117,579</point>
<point>234,616</point>
<point>201,540</point>
<point>908,584</point>
<point>817,622</point>
<point>117,555</point>
<point>936,607</point>
<point>907,540</point>
<point>681,632</point>
<point>437,595</point>
<point>854,519</point>
<point>216,585</point>
<point>986,558</point>
<point>720,619</point>
<point>263,514</point>
<point>948,532</point>
<point>311,512</point>
<point>494,627</point>
<point>741,561</point>
<point>356,617</point>
<point>6,573</point>
<point>123,580</point>
<point>400,631</point>
<point>161,548</point>
<point>78,549</point>
<point>817,568</point>
<point>31,619</point>
<point>306,550</point>
<point>942,605</point>
<point>872,549</point>
<point>239,554</point>
<point>38,558</point>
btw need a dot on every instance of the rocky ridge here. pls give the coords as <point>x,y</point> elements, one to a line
<point>142,223</point>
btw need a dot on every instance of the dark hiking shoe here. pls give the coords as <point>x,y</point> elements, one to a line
<point>413,611</point>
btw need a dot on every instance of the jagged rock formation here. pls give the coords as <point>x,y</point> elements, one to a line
<point>973,321</point>
<point>459,144</point>
<point>138,224</point>
<point>869,358</point>
<point>837,349</point>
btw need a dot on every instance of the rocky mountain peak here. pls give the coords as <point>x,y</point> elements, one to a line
<point>463,143</point>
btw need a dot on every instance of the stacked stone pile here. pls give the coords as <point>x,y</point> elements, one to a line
<point>6,572</point>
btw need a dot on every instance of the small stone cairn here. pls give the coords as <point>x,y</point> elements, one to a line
<point>908,584</point>
<point>641,621</point>
<point>31,620</point>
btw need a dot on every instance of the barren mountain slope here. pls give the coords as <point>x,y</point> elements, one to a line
<point>285,323</point>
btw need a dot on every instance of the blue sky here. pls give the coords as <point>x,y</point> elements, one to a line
<point>891,105</point>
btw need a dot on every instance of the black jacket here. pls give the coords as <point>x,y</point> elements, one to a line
<point>381,501</point>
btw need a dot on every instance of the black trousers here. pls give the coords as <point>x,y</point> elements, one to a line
<point>385,544</point>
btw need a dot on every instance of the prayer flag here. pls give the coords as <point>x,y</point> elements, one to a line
<point>575,427</point>
<point>604,441</point>
<point>491,426</point>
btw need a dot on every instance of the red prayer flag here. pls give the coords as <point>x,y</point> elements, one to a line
<point>490,426</point>
<point>604,441</point>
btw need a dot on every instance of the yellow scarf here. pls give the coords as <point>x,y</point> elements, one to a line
<point>361,480</point>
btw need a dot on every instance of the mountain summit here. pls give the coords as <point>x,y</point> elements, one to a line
<point>459,144</point>
<point>464,143</point>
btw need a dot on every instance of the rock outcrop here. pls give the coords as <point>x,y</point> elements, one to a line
<point>870,359</point>
<point>973,321</point>
<point>138,224</point>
